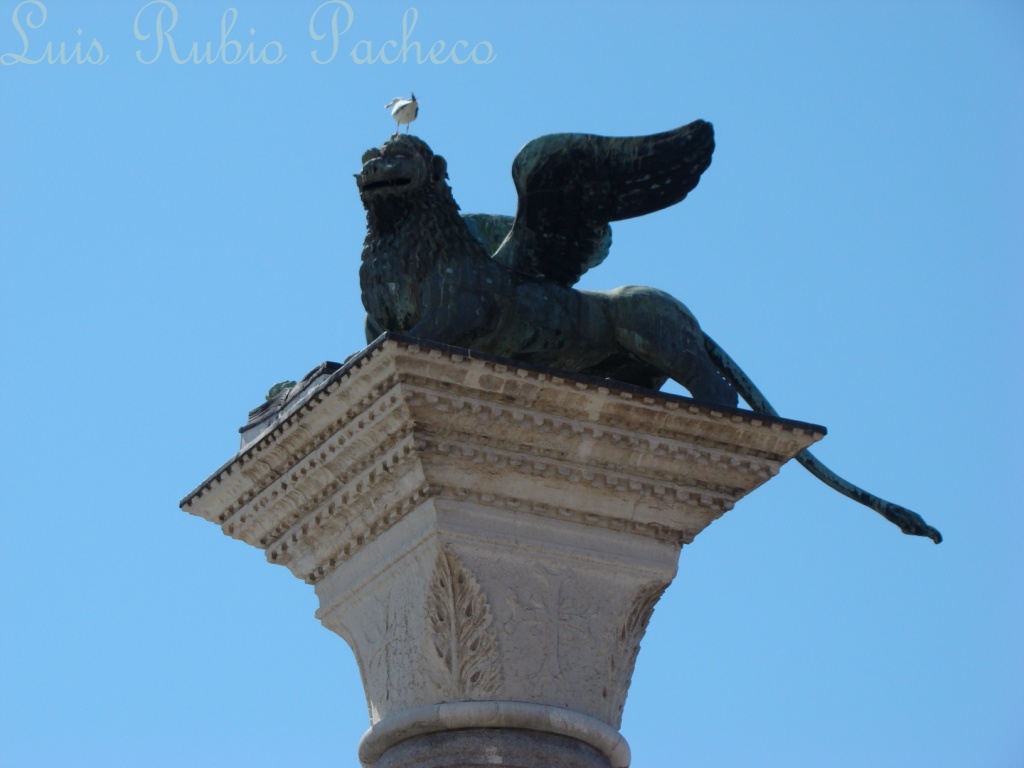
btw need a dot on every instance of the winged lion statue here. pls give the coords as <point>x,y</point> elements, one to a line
<point>504,286</point>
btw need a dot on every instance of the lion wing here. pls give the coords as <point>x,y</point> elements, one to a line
<point>571,185</point>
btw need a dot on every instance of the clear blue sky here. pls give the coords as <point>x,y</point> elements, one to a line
<point>178,237</point>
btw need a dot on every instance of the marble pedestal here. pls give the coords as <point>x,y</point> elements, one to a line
<point>489,539</point>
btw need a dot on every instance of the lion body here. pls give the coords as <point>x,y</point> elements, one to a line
<point>424,274</point>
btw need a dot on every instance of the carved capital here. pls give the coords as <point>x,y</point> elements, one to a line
<point>480,531</point>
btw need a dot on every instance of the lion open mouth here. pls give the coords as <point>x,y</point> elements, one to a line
<point>386,183</point>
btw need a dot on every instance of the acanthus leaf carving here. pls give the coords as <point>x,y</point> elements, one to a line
<point>463,634</point>
<point>631,633</point>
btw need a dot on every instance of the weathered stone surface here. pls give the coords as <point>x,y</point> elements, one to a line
<point>522,723</point>
<point>489,539</point>
<point>487,747</point>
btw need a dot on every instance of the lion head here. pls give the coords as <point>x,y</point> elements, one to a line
<point>403,165</point>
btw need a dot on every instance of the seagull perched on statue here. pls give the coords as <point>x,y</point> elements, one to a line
<point>404,111</point>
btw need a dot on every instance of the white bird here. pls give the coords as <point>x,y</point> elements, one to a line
<point>404,111</point>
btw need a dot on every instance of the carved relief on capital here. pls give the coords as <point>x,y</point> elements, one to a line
<point>623,661</point>
<point>423,633</point>
<point>553,619</point>
<point>461,633</point>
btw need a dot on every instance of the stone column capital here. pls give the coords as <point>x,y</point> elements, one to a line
<point>489,538</point>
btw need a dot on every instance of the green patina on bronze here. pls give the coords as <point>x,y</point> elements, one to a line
<point>281,386</point>
<point>504,286</point>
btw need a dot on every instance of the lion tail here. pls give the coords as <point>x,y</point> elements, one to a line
<point>906,520</point>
